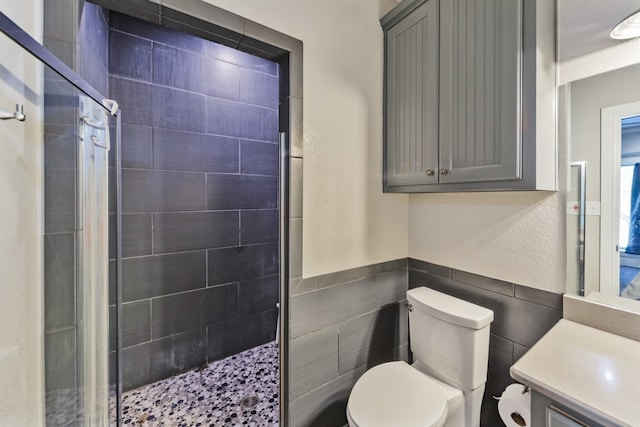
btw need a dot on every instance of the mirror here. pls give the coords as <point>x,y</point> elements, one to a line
<point>597,75</point>
<point>603,139</point>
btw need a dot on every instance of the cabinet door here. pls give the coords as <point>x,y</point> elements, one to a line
<point>411,128</point>
<point>480,90</point>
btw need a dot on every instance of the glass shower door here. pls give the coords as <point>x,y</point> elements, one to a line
<point>54,270</point>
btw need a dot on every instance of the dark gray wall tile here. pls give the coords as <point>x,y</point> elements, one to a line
<point>93,47</point>
<point>538,296</point>
<point>60,200</point>
<point>516,320</point>
<point>258,295</point>
<point>192,310</point>
<point>241,192</point>
<point>236,335</point>
<point>155,32</point>
<point>259,88</point>
<point>259,158</point>
<point>177,109</point>
<point>259,226</point>
<point>518,351</point>
<point>137,146</point>
<point>60,146</point>
<point>60,375</point>
<point>388,267</point>
<point>56,19</point>
<point>136,323</point>
<point>162,191</point>
<point>233,56</point>
<point>436,270</point>
<point>316,310</point>
<point>135,99</point>
<point>242,263</point>
<point>500,360</point>
<point>59,276</point>
<point>177,68</point>
<point>391,287</point>
<point>155,360</point>
<point>130,56</point>
<point>186,231</point>
<point>136,234</point>
<point>300,286</point>
<point>230,118</point>
<point>483,282</point>
<point>370,337</point>
<point>326,405</point>
<point>223,79</point>
<point>157,275</point>
<point>189,151</point>
<point>339,277</point>
<point>313,360</point>
<point>64,50</point>
<point>60,363</point>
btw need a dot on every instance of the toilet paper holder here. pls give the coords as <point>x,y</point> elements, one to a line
<point>518,419</point>
<point>514,405</point>
<point>515,416</point>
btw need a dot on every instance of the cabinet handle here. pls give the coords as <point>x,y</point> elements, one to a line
<point>429,172</point>
<point>444,171</point>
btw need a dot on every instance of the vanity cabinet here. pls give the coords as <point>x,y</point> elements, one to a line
<point>470,96</point>
<point>549,413</point>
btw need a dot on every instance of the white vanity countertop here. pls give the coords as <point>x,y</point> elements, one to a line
<point>586,369</point>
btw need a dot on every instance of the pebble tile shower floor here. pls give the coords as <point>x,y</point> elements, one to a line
<point>241,390</point>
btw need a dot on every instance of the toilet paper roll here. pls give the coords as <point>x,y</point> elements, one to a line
<point>514,406</point>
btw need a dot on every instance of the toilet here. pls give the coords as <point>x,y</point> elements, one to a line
<point>444,386</point>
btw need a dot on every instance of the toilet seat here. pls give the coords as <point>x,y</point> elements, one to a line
<point>394,394</point>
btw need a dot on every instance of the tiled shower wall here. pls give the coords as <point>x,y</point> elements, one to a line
<point>200,198</point>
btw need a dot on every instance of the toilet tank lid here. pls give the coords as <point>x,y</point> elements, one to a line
<point>450,309</point>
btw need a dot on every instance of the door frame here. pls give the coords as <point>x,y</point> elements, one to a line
<point>611,149</point>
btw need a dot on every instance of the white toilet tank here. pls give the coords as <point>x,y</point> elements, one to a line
<point>450,337</point>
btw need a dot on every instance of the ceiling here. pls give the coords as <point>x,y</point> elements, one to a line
<point>584,25</point>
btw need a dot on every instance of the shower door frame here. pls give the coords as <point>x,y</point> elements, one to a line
<point>31,46</point>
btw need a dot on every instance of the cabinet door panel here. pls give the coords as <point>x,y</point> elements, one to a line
<point>480,80</point>
<point>412,97</point>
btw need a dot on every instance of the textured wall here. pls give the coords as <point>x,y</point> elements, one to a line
<point>518,237</point>
<point>200,198</point>
<point>348,221</point>
<point>21,247</point>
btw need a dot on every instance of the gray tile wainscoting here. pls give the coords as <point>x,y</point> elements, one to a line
<point>200,198</point>
<point>341,324</point>
<point>522,315</point>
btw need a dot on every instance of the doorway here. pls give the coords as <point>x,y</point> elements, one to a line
<point>620,265</point>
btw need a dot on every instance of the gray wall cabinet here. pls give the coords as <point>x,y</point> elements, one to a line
<point>470,96</point>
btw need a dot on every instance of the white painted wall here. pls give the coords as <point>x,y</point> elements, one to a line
<point>21,228</point>
<point>512,236</point>
<point>620,55</point>
<point>348,221</point>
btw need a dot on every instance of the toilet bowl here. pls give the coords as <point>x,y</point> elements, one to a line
<point>445,384</point>
<point>397,394</point>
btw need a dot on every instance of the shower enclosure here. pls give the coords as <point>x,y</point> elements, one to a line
<point>54,161</point>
